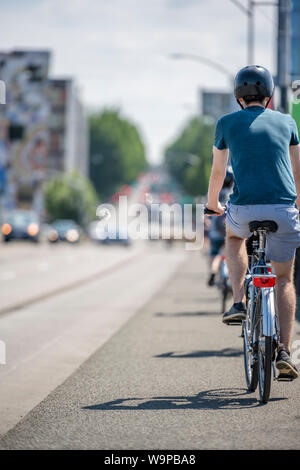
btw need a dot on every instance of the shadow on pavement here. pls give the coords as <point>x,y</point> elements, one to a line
<point>195,300</point>
<point>186,314</point>
<point>227,352</point>
<point>218,399</point>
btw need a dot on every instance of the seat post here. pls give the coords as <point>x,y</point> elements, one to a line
<point>262,238</point>
<point>261,228</point>
<point>261,245</point>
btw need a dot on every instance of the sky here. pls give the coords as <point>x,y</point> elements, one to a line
<point>118,51</point>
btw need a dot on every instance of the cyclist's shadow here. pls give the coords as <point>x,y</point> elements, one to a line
<point>217,399</point>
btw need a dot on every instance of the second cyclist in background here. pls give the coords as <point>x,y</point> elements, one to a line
<point>217,230</point>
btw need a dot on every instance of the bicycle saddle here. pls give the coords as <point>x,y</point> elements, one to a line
<point>268,225</point>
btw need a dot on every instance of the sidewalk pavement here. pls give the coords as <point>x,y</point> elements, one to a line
<point>171,378</point>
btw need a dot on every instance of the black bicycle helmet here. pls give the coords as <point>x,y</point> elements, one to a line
<point>253,83</point>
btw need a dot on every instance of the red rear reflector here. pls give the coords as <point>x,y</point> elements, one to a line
<point>223,258</point>
<point>264,281</point>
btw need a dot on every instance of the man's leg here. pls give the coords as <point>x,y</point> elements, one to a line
<point>286,306</point>
<point>237,262</point>
<point>213,269</point>
<point>286,300</point>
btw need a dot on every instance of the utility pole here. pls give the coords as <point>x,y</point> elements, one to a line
<point>250,13</point>
<point>284,52</point>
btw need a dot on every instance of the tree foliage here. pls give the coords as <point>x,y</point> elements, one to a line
<point>189,157</point>
<point>117,153</point>
<point>70,196</point>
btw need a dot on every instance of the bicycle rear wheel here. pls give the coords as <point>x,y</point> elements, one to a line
<point>265,352</point>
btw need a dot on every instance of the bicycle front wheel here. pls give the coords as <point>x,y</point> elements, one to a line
<point>250,360</point>
<point>250,348</point>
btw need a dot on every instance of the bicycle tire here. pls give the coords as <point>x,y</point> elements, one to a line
<point>250,365</point>
<point>265,369</point>
<point>251,368</point>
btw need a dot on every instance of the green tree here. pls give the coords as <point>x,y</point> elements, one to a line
<point>70,196</point>
<point>189,157</point>
<point>117,153</point>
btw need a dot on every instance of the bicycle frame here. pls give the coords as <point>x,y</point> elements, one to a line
<point>260,269</point>
<point>260,290</point>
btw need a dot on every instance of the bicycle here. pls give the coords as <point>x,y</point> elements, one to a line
<point>260,330</point>
<point>222,281</point>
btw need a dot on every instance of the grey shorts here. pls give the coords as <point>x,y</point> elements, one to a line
<point>281,246</point>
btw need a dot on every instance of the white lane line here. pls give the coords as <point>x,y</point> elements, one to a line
<point>70,258</point>
<point>8,276</point>
<point>43,266</point>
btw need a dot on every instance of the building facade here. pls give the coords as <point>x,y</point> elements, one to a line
<point>215,104</point>
<point>42,128</point>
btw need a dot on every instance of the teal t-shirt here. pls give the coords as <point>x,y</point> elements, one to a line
<point>259,140</point>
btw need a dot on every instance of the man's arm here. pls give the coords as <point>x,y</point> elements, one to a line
<point>218,173</point>
<point>295,161</point>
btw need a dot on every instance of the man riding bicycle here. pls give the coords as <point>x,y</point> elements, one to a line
<point>265,158</point>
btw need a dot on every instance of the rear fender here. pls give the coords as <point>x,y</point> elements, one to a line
<point>268,311</point>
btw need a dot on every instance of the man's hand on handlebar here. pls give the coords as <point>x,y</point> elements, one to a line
<point>214,210</point>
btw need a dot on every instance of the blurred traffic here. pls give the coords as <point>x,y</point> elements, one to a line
<point>20,225</point>
<point>64,230</point>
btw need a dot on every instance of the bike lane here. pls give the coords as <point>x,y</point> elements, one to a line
<point>171,378</point>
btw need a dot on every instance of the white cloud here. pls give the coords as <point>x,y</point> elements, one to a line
<point>118,51</point>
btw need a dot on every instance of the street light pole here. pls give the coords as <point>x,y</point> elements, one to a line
<point>204,60</point>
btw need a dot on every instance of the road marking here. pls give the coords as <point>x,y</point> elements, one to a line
<point>8,276</point>
<point>73,285</point>
<point>44,266</point>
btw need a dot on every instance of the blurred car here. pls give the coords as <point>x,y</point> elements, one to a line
<point>64,230</point>
<point>100,234</point>
<point>20,224</point>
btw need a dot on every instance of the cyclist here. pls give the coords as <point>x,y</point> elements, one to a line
<point>216,232</point>
<point>265,158</point>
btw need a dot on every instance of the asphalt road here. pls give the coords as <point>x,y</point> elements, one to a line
<point>170,378</point>
<point>69,311</point>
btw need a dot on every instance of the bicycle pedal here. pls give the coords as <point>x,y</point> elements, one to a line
<point>284,378</point>
<point>234,323</point>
